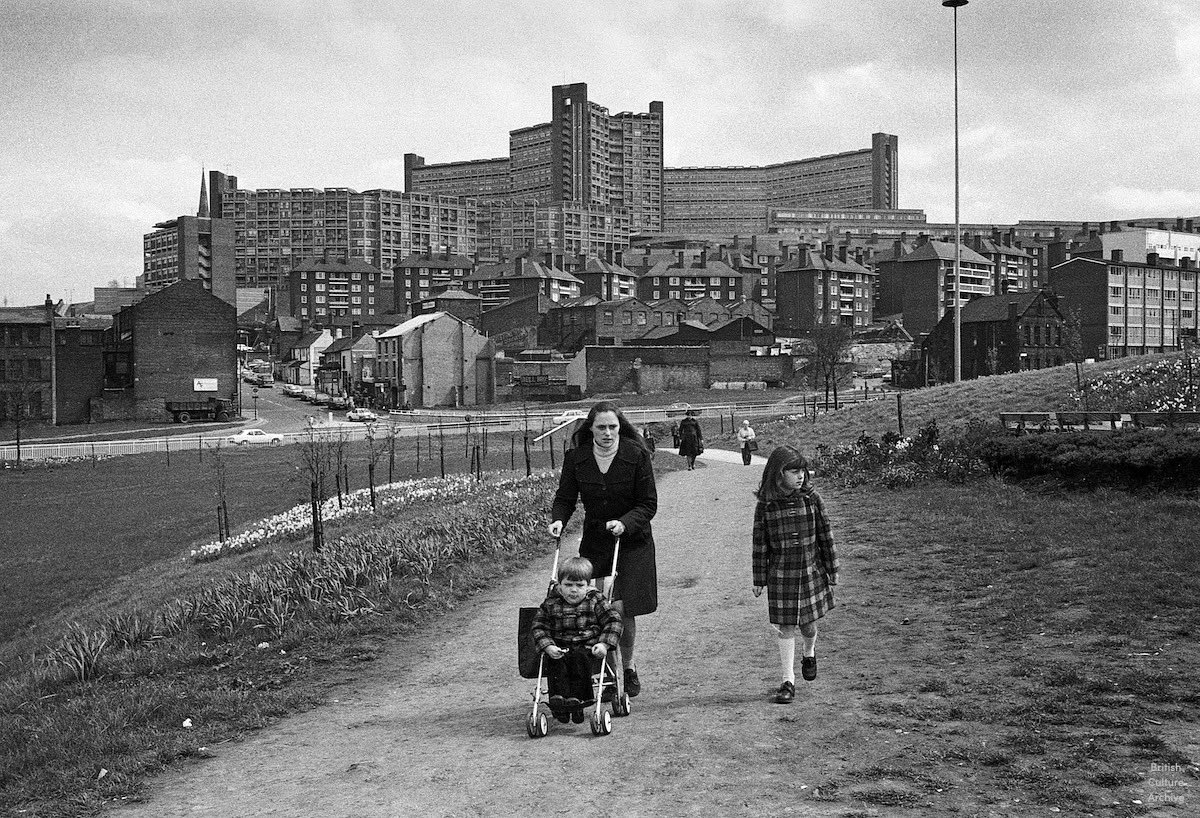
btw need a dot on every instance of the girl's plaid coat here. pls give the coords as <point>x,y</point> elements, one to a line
<point>794,558</point>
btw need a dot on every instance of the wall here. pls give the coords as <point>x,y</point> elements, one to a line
<point>769,368</point>
<point>611,369</point>
<point>181,333</point>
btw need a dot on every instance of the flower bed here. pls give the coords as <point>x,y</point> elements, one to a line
<point>297,521</point>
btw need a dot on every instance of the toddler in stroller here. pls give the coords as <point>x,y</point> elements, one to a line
<point>574,629</point>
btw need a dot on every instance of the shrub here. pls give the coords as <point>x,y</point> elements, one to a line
<point>1130,459</point>
<point>894,461</point>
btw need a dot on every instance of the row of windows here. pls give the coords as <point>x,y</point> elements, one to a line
<point>17,336</point>
<point>28,369</point>
<point>320,299</point>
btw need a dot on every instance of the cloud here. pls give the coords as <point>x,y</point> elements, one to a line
<point>1143,202</point>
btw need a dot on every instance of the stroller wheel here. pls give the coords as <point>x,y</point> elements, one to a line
<point>537,727</point>
<point>621,705</point>
<point>601,723</point>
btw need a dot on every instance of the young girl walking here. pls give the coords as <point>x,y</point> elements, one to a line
<point>794,559</point>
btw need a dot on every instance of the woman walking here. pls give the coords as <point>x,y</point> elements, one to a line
<point>794,559</point>
<point>691,439</point>
<point>610,470</point>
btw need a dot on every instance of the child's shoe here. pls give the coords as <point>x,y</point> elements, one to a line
<point>577,716</point>
<point>557,704</point>
<point>808,668</point>
<point>785,694</point>
<point>563,716</point>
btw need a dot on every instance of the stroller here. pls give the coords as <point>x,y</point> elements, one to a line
<point>531,663</point>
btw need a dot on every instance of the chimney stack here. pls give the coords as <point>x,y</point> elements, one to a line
<point>1152,259</point>
<point>1010,238</point>
<point>827,250</point>
<point>842,252</point>
<point>1190,222</point>
<point>704,256</point>
<point>1179,223</point>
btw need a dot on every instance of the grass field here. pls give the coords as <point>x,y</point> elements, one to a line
<point>74,531</point>
<point>1047,641</point>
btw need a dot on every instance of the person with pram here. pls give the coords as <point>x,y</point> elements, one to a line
<point>575,628</point>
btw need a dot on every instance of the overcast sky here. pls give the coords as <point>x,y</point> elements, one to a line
<point>1082,110</point>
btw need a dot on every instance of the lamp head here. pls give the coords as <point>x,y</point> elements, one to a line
<point>953,4</point>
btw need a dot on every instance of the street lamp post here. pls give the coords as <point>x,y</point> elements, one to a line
<point>954,4</point>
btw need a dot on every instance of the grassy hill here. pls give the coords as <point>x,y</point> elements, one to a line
<point>951,405</point>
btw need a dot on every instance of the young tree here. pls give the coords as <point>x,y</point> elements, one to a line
<point>17,403</point>
<point>829,345</point>
<point>1073,348</point>
<point>316,454</point>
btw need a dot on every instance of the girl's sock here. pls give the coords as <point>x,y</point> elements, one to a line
<point>810,645</point>
<point>787,658</point>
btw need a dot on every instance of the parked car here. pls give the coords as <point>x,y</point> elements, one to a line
<point>291,390</point>
<point>255,436</point>
<point>362,415</point>
<point>264,381</point>
<point>321,399</point>
<point>307,395</point>
<point>339,402</point>
<point>569,415</point>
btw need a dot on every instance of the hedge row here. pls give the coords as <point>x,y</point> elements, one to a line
<point>1143,458</point>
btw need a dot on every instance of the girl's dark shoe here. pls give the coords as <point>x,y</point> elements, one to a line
<point>577,716</point>
<point>808,668</point>
<point>633,685</point>
<point>785,694</point>
<point>561,715</point>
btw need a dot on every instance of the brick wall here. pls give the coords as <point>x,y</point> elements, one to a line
<point>440,365</point>
<point>770,368</point>
<point>182,333</point>
<point>611,369</point>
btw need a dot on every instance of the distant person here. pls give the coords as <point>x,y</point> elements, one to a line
<point>573,625</point>
<point>611,471</point>
<point>746,437</point>
<point>794,559</point>
<point>691,439</point>
<point>674,435</point>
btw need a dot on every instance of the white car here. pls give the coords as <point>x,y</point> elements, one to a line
<point>570,415</point>
<point>255,436</point>
<point>363,415</point>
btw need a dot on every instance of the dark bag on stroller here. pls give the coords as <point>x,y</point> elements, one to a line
<point>527,652</point>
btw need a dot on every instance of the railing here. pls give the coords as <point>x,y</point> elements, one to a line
<point>418,422</point>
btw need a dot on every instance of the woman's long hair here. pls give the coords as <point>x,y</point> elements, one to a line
<point>784,457</point>
<point>583,435</point>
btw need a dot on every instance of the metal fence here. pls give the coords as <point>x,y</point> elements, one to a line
<point>418,423</point>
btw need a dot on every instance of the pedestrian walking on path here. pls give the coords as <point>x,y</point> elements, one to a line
<point>794,559</point>
<point>610,470</point>
<point>691,439</point>
<point>746,437</point>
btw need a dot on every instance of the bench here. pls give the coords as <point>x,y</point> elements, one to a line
<point>1019,422</point>
<point>1152,420</point>
<point>1103,421</point>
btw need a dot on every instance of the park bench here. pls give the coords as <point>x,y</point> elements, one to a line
<point>1151,420</point>
<point>1089,421</point>
<point>1019,422</point>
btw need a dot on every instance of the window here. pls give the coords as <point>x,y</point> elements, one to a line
<point>303,287</point>
<point>304,299</point>
<point>674,281</point>
<point>1115,292</point>
<point>674,293</point>
<point>655,295</point>
<point>1115,311</point>
<point>627,318</point>
<point>320,288</point>
<point>608,316</point>
<point>641,318</point>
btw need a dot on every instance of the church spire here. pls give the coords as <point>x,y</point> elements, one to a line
<point>202,212</point>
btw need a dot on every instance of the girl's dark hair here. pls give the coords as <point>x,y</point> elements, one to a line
<point>583,435</point>
<point>575,569</point>
<point>782,458</point>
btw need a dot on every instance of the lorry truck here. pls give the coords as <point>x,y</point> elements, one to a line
<point>212,409</point>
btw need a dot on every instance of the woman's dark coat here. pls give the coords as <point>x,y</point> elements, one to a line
<point>627,493</point>
<point>690,437</point>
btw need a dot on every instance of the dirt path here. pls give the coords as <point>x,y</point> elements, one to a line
<point>437,727</point>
